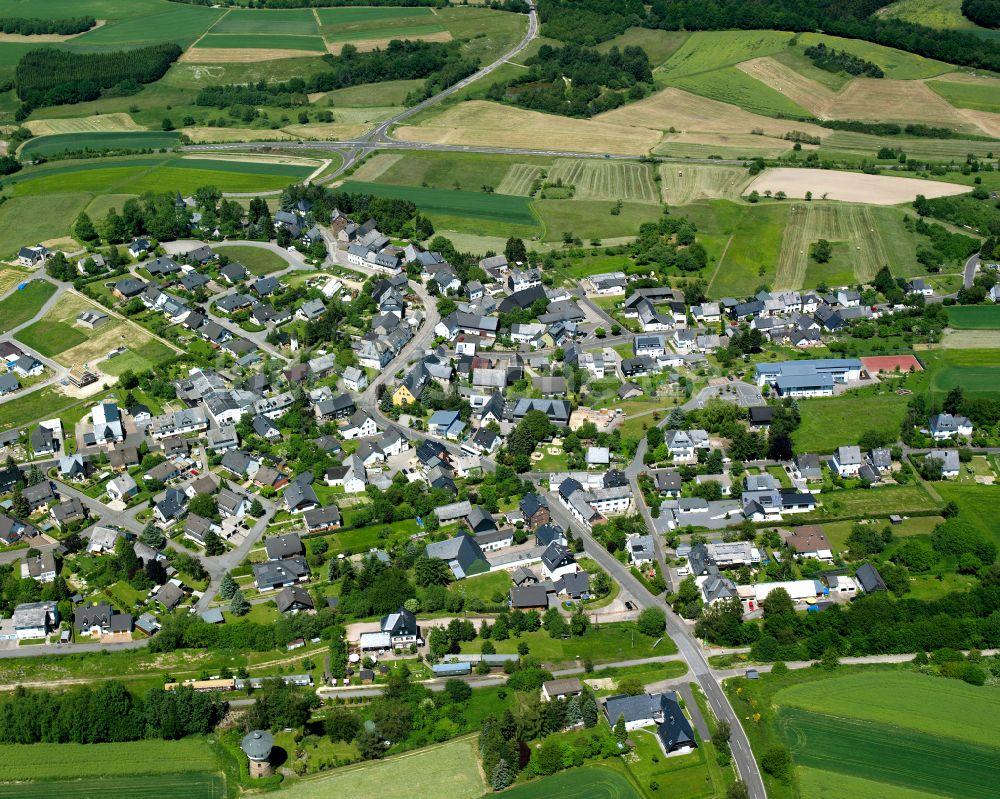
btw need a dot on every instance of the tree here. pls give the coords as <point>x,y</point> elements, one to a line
<point>822,251</point>
<point>501,776</point>
<point>777,762</point>
<point>431,571</point>
<point>830,660</point>
<point>738,790</point>
<point>514,251</point>
<point>342,724</point>
<point>152,536</point>
<point>239,606</point>
<point>83,228</point>
<point>588,709</point>
<point>619,729</point>
<point>167,125</point>
<point>204,505</point>
<point>228,587</point>
<point>652,621</point>
<point>213,544</point>
<point>256,509</point>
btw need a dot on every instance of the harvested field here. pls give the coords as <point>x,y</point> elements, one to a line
<point>220,135</point>
<point>519,179</point>
<point>807,93</point>
<point>212,55</point>
<point>102,123</point>
<point>690,113</point>
<point>485,123</point>
<point>971,339</point>
<point>601,180</point>
<point>945,149</point>
<point>367,45</point>
<point>323,131</point>
<point>704,145</point>
<point>850,186</point>
<point>686,183</point>
<point>376,166</point>
<point>288,160</point>
<point>886,100</point>
<point>851,224</point>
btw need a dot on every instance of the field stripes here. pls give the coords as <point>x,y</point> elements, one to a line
<point>974,317</point>
<point>164,786</point>
<point>518,179</point>
<point>807,223</point>
<point>885,753</point>
<point>600,180</point>
<point>686,183</point>
<point>73,142</point>
<point>267,21</point>
<point>469,204</point>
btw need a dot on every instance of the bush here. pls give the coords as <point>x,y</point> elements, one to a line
<point>777,761</point>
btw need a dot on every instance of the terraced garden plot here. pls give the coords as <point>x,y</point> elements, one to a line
<point>599,180</point>
<point>519,179</point>
<point>681,184</point>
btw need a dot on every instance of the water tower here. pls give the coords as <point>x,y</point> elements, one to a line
<point>257,747</point>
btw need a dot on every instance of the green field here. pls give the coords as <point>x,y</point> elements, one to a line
<point>164,786</point>
<point>977,505</point>
<point>471,205</point>
<point>879,501</point>
<point>250,41</point>
<point>295,21</point>
<point>138,359</point>
<point>257,260</point>
<point>755,242</point>
<point>449,769</point>
<point>974,317</point>
<point>886,753</point>
<point>817,784</point>
<point>945,14</point>
<point>705,51</point>
<point>71,142</point>
<point>47,761</point>
<point>733,86</point>
<point>896,64</point>
<point>589,782</point>
<point>592,219</point>
<point>829,422</point>
<point>23,304</point>
<point>605,644</point>
<point>345,24</point>
<point>937,149</point>
<point>976,371</point>
<point>450,171</point>
<point>29,220</point>
<point>50,338</point>
<point>659,45</point>
<point>968,95</point>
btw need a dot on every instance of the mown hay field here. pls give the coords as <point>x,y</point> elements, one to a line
<point>681,184</point>
<point>519,179</point>
<point>918,147</point>
<point>606,180</point>
<point>101,123</point>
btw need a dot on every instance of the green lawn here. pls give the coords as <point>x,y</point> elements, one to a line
<point>257,260</point>
<point>607,643</point>
<point>589,782</point>
<point>837,532</point>
<point>977,505</point>
<point>50,337</point>
<point>24,303</point>
<point>40,404</point>
<point>974,317</point>
<point>830,422</point>
<point>879,501</point>
<point>448,769</point>
<point>483,586</point>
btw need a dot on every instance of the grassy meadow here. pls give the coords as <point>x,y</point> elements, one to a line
<point>18,307</point>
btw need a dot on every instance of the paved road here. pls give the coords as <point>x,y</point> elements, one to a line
<point>969,274</point>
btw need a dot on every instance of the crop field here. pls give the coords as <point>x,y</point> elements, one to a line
<point>292,21</point>
<point>828,422</point>
<point>752,252</point>
<point>349,24</point>
<point>977,371</point>
<point>721,145</point>
<point>602,180</point>
<point>257,260</point>
<point>590,782</point>
<point>731,85</point>
<point>449,769</point>
<point>36,219</point>
<point>456,171</point>
<point>979,97</point>
<point>103,760</point>
<point>166,786</point>
<point>830,184</point>
<point>102,123</point>
<point>817,784</point>
<point>72,142</point>
<point>887,753</point>
<point>862,256</point>
<point>974,317</point>
<point>519,179</point>
<point>683,184</point>
<point>19,307</point>
<point>468,204</point>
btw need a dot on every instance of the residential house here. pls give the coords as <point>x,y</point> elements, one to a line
<point>945,426</point>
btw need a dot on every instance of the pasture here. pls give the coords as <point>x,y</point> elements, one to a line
<point>592,219</point>
<point>589,782</point>
<point>704,51</point>
<point>974,317</point>
<point>883,752</point>
<point>659,45</point>
<point>945,14</point>
<point>829,422</point>
<point>449,769</point>
<point>686,183</point>
<point>20,306</point>
<point>751,252</point>
<point>604,180</point>
<point>37,219</point>
<point>258,260</point>
<point>831,184</point>
<point>897,64</point>
<point>73,142</point>
<point>977,505</point>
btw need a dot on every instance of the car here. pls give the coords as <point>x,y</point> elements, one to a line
<point>629,606</point>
